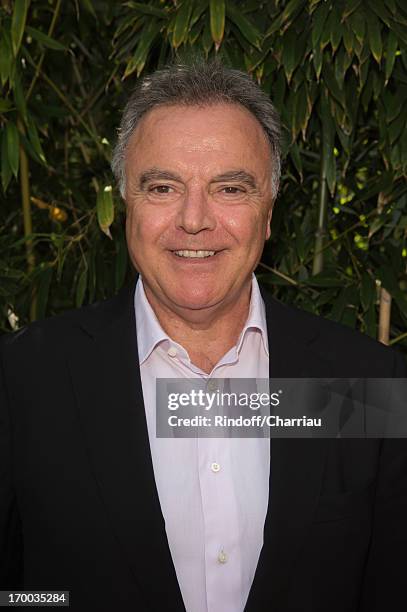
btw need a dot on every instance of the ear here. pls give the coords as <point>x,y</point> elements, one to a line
<point>269,215</point>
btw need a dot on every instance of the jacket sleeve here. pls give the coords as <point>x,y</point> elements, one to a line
<point>385,576</point>
<point>11,575</point>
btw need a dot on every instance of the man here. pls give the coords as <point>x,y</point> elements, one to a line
<point>91,500</point>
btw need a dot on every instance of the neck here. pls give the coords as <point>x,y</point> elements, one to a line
<point>207,335</point>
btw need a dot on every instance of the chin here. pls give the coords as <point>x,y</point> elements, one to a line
<point>194,299</point>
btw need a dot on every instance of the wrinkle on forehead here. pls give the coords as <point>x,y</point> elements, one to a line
<point>204,144</point>
<point>200,140</point>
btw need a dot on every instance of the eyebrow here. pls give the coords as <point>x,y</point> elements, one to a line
<point>238,176</point>
<point>157,174</point>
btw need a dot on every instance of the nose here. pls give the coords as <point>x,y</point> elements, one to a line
<point>195,213</point>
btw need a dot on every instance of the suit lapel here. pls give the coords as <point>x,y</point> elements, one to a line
<point>296,466</point>
<point>106,380</point>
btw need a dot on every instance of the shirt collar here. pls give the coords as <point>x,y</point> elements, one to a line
<point>150,333</point>
<point>256,318</point>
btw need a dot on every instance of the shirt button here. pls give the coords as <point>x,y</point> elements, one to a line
<point>215,467</point>
<point>172,351</point>
<point>222,558</point>
<point>212,385</point>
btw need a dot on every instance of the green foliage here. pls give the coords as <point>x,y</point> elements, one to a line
<point>335,69</point>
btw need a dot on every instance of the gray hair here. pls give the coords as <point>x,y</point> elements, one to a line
<point>202,83</point>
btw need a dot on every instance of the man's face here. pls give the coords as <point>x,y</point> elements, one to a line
<point>198,195</point>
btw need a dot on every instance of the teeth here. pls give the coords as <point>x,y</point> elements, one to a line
<point>195,253</point>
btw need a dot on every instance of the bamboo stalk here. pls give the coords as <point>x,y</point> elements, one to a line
<point>384,316</point>
<point>398,338</point>
<point>27,219</point>
<point>278,273</point>
<point>384,295</point>
<point>318,262</point>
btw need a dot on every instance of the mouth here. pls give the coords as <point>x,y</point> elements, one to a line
<point>195,254</point>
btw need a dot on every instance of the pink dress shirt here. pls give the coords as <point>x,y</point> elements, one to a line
<point>213,492</point>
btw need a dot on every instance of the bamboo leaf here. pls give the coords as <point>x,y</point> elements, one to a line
<point>393,105</point>
<point>401,32</point>
<point>81,287</point>
<point>19,97</point>
<point>44,39</point>
<point>391,5</point>
<point>245,27</point>
<point>5,105</point>
<point>381,12</point>
<point>217,19</point>
<point>363,75</point>
<point>105,209</point>
<point>343,61</point>
<point>318,21</point>
<point>376,225</point>
<point>328,141</point>
<point>279,91</point>
<point>323,280</point>
<point>396,128</point>
<point>317,57</point>
<point>349,315</point>
<point>18,23</point>
<point>148,9</point>
<point>89,7</point>
<point>367,291</point>
<point>6,58</point>
<point>391,49</point>
<point>370,321</point>
<point>34,139</point>
<point>335,28</point>
<point>332,85</point>
<point>28,148</point>
<point>389,281</point>
<point>127,22</point>
<point>300,112</point>
<point>339,305</point>
<point>43,290</point>
<point>290,57</point>
<point>383,183</point>
<point>13,142</point>
<point>374,35</point>
<point>348,39</point>
<point>147,38</point>
<point>358,25</point>
<point>206,39</point>
<point>6,173</point>
<point>296,159</point>
<point>181,23</point>
<point>350,7</point>
<point>293,6</point>
<point>199,8</point>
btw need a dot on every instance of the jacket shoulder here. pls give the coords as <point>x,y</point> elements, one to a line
<point>332,340</point>
<point>68,325</point>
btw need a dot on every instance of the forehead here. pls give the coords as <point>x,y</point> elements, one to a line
<point>227,132</point>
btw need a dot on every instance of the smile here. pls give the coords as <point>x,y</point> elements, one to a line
<point>199,254</point>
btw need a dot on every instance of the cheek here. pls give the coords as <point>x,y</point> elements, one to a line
<point>247,228</point>
<point>144,226</point>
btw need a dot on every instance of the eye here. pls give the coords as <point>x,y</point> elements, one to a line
<point>232,190</point>
<point>160,189</point>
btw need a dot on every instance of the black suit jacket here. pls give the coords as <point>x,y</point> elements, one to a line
<point>79,508</point>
